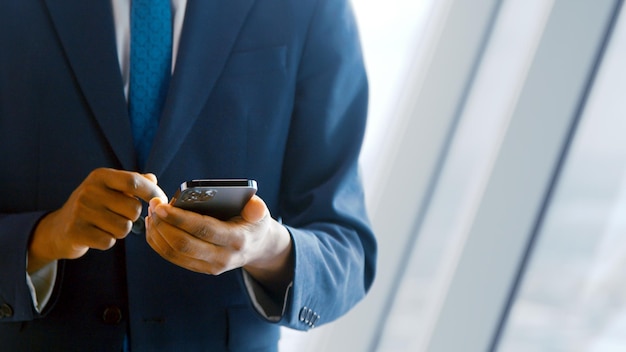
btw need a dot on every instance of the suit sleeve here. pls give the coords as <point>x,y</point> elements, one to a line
<point>16,301</point>
<point>322,202</point>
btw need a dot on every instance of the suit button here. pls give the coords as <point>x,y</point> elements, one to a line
<point>112,315</point>
<point>308,316</point>
<point>5,311</point>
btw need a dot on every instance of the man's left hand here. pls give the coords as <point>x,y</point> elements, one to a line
<point>207,245</point>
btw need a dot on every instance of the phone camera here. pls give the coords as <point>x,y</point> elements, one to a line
<point>199,195</point>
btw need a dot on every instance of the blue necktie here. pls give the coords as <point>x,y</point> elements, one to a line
<point>150,69</point>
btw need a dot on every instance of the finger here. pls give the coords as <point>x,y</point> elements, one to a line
<point>101,200</point>
<point>102,242</point>
<point>123,205</point>
<point>131,183</point>
<point>115,225</point>
<point>205,228</point>
<point>255,210</point>
<point>189,253</point>
<point>108,210</point>
<point>96,238</point>
<point>182,243</point>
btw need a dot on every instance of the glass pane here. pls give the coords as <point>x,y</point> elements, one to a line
<point>388,63</point>
<point>573,295</point>
<point>486,114</point>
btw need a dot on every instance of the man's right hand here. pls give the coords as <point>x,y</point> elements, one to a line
<point>97,214</point>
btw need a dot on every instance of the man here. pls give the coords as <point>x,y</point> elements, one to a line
<point>271,90</point>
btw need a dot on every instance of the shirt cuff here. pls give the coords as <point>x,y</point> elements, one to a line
<point>41,285</point>
<point>262,302</point>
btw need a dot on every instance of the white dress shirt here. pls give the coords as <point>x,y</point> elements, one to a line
<point>121,16</point>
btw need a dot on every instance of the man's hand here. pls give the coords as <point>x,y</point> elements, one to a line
<point>207,245</point>
<point>98,213</point>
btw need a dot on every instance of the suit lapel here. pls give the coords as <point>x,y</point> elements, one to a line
<point>209,32</point>
<point>87,34</point>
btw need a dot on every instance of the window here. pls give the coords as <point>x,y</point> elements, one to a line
<point>573,295</point>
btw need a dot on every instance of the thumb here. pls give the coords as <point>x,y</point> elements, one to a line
<point>154,202</point>
<point>255,210</point>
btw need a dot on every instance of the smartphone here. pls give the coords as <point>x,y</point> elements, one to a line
<point>219,198</point>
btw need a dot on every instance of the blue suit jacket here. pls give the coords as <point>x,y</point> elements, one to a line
<point>272,90</point>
